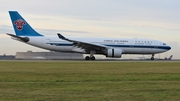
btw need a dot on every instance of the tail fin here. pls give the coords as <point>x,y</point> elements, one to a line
<point>21,27</point>
<point>170,57</point>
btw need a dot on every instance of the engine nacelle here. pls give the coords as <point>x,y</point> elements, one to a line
<point>115,53</point>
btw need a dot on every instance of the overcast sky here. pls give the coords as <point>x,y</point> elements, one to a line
<point>153,19</point>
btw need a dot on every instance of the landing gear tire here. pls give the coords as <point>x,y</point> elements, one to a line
<point>152,58</point>
<point>87,58</point>
<point>90,58</point>
<point>93,58</point>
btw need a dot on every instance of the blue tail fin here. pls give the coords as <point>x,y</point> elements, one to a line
<point>21,27</point>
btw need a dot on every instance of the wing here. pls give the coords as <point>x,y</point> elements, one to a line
<point>85,45</point>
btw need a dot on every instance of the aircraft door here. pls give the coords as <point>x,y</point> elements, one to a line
<point>44,41</point>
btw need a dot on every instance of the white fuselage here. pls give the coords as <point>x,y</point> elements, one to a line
<point>128,46</point>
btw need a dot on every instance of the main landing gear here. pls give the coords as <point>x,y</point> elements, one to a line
<point>91,57</point>
<point>152,58</point>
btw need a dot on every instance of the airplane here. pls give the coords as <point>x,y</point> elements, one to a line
<point>110,47</point>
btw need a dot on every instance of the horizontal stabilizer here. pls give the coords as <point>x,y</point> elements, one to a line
<point>23,39</point>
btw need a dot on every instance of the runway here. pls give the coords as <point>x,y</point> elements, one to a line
<point>99,60</point>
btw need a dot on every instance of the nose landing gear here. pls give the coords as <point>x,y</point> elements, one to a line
<point>152,58</point>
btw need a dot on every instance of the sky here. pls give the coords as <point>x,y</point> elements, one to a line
<point>152,19</point>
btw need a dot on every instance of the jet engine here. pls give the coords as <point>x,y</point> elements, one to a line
<point>115,53</point>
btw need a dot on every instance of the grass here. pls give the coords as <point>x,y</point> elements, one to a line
<point>89,81</point>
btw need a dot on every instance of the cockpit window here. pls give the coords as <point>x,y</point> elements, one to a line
<point>164,43</point>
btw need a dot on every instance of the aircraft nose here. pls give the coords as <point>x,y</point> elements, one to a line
<point>168,47</point>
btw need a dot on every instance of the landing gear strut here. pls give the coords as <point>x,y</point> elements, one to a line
<point>152,58</point>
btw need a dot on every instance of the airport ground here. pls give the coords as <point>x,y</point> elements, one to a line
<point>64,80</point>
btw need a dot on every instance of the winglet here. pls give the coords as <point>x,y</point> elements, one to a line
<point>64,38</point>
<point>61,36</point>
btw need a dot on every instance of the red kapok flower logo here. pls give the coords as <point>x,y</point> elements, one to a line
<point>19,24</point>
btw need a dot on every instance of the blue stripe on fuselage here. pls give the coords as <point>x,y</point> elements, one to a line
<point>140,46</point>
<point>60,44</point>
<point>124,46</point>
